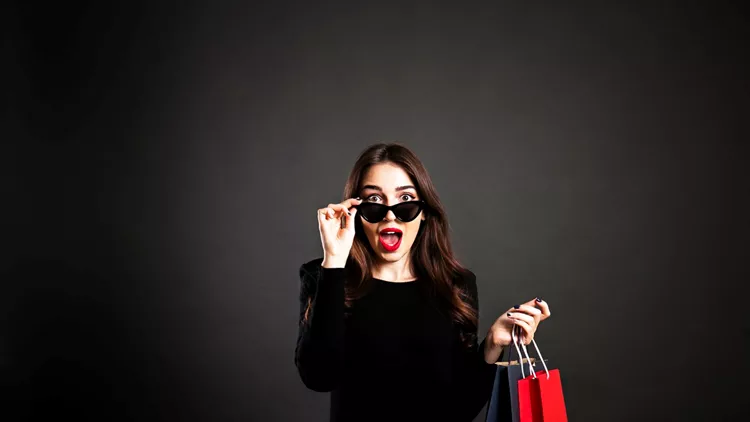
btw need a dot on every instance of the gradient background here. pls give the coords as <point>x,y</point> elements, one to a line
<point>166,160</point>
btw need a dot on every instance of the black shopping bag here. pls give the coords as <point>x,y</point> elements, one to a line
<point>503,405</point>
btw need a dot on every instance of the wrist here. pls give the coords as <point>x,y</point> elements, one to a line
<point>333,262</point>
<point>492,350</point>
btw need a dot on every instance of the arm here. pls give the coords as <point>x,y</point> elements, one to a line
<point>319,352</point>
<point>475,377</point>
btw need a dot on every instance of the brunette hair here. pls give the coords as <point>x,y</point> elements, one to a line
<point>431,255</point>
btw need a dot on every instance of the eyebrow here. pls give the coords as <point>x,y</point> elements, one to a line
<point>398,189</point>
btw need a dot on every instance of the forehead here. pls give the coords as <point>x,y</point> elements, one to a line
<point>387,176</point>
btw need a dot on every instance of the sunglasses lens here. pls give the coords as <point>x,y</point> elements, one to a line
<point>407,211</point>
<point>372,212</point>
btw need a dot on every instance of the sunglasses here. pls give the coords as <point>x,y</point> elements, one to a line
<point>404,211</point>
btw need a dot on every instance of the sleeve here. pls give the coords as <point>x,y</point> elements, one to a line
<point>319,352</point>
<point>475,377</point>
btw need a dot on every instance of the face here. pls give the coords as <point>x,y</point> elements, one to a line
<point>389,184</point>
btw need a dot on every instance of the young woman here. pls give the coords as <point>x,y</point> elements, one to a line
<point>388,316</point>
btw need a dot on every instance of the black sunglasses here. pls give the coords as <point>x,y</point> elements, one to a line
<point>404,211</point>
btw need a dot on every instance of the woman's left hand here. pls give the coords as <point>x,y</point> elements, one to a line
<point>526,316</point>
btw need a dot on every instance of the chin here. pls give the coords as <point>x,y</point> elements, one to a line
<point>394,256</point>
<point>391,257</point>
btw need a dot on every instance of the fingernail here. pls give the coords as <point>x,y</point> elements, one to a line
<point>357,198</point>
<point>510,315</point>
<point>517,306</point>
<point>349,213</point>
<point>539,299</point>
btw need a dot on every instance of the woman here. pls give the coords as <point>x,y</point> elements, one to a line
<point>388,316</point>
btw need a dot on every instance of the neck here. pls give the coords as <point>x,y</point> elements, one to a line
<point>395,271</point>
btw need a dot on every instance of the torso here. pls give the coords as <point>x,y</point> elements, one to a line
<point>398,345</point>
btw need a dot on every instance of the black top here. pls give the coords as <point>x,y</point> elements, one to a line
<point>394,357</point>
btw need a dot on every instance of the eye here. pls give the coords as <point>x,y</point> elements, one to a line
<point>407,195</point>
<point>372,198</point>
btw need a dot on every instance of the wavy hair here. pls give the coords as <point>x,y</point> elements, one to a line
<point>431,255</point>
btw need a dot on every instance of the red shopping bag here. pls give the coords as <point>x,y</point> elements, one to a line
<point>529,408</point>
<point>540,395</point>
<point>541,399</point>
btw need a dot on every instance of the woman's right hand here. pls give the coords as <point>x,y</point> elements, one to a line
<point>337,240</point>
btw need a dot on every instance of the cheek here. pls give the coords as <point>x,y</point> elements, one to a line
<point>369,229</point>
<point>413,228</point>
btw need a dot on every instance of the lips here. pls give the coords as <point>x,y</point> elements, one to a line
<point>390,238</point>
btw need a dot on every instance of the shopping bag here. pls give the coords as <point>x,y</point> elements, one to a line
<point>540,395</point>
<point>504,401</point>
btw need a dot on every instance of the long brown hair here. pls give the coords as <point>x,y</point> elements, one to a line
<point>431,255</point>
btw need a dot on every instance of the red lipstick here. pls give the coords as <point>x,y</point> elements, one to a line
<point>390,238</point>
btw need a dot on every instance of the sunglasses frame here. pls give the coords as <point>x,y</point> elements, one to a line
<point>420,202</point>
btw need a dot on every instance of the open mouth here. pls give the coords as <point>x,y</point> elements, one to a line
<point>390,239</point>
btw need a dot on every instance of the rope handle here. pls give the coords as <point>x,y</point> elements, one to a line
<point>528,359</point>
<point>515,343</point>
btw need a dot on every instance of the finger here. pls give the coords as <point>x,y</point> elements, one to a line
<point>349,222</point>
<point>338,210</point>
<point>520,316</point>
<point>536,313</point>
<point>338,207</point>
<point>323,214</point>
<point>527,309</point>
<point>543,306</point>
<point>351,202</point>
<point>528,332</point>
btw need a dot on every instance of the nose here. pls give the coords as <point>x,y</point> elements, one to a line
<point>390,216</point>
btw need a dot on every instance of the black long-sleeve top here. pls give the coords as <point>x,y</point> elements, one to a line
<point>395,357</point>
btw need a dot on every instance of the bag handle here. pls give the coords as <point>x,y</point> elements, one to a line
<point>510,352</point>
<point>531,369</point>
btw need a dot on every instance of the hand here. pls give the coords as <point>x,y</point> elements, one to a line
<point>337,240</point>
<point>526,316</point>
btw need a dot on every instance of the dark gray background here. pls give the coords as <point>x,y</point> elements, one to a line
<point>167,160</point>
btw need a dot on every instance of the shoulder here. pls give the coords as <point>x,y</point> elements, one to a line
<point>467,278</point>
<point>467,281</point>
